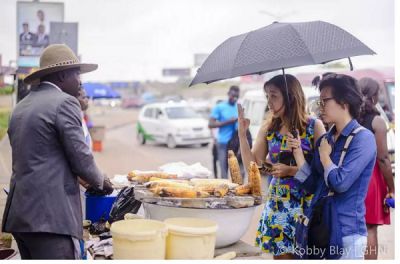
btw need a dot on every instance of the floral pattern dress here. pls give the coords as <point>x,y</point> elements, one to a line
<point>285,200</point>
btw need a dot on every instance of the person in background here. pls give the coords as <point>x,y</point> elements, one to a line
<point>381,185</point>
<point>224,117</point>
<point>286,199</point>
<point>42,39</point>
<point>214,150</point>
<point>315,108</point>
<point>26,37</point>
<point>84,102</point>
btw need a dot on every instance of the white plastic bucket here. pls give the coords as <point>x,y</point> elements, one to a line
<point>190,238</point>
<point>139,239</point>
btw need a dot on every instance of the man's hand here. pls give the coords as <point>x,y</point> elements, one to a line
<point>107,186</point>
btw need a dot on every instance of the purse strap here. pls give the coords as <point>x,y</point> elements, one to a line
<point>345,148</point>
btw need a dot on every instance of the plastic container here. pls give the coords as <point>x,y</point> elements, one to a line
<point>97,146</point>
<point>190,238</point>
<point>139,239</point>
<point>97,133</point>
<point>227,233</point>
<point>99,206</point>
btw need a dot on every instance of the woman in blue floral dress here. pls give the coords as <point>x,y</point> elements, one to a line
<point>285,197</point>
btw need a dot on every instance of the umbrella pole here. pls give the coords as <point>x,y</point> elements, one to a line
<point>351,64</point>
<point>286,87</point>
<point>291,128</point>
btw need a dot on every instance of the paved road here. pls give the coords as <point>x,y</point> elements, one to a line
<point>122,153</point>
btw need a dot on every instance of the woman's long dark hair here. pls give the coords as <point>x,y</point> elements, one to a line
<point>370,90</point>
<point>297,115</point>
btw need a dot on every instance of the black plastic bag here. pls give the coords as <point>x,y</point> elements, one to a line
<point>123,204</point>
<point>98,227</point>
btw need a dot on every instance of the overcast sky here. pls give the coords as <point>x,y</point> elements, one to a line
<point>135,39</point>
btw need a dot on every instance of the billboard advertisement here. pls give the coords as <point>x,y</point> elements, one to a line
<point>33,29</point>
<point>176,72</point>
<point>64,33</point>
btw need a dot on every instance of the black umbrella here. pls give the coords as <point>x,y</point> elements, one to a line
<point>279,46</point>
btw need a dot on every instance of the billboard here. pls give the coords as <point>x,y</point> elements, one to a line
<point>176,72</point>
<point>64,33</point>
<point>33,29</point>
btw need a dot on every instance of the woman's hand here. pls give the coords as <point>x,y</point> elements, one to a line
<point>281,170</point>
<point>243,123</point>
<point>325,150</point>
<point>386,208</point>
<point>294,143</point>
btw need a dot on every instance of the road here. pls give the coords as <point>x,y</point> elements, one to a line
<point>122,153</point>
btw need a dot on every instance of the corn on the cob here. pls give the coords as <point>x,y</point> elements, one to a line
<point>155,184</point>
<point>213,182</point>
<point>243,189</point>
<point>255,179</point>
<point>178,192</point>
<point>209,188</point>
<point>234,168</point>
<point>143,176</point>
<point>221,190</point>
<point>201,194</point>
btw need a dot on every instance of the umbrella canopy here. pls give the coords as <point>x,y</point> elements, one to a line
<point>278,46</point>
<point>98,90</point>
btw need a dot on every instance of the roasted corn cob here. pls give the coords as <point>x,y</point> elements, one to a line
<point>255,179</point>
<point>178,192</point>
<point>201,194</point>
<point>234,168</point>
<point>143,176</point>
<point>221,190</point>
<point>209,188</point>
<point>243,189</point>
<point>212,182</point>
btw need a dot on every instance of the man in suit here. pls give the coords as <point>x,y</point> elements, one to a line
<point>49,152</point>
<point>42,39</point>
<point>26,37</point>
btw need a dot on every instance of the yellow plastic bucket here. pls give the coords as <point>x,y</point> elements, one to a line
<point>190,238</point>
<point>139,239</point>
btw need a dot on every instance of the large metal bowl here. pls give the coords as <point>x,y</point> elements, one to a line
<point>232,223</point>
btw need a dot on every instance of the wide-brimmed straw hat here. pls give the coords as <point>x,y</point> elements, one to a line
<point>55,58</point>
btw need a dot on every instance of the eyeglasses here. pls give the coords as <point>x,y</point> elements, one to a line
<point>322,102</point>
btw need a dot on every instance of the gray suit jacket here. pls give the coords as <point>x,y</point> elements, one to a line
<point>48,153</point>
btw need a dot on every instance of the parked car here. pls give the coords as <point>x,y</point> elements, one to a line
<point>172,123</point>
<point>132,102</point>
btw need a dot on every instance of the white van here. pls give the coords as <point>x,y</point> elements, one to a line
<point>255,106</point>
<point>172,123</point>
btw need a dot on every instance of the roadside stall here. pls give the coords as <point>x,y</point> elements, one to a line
<point>182,209</point>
